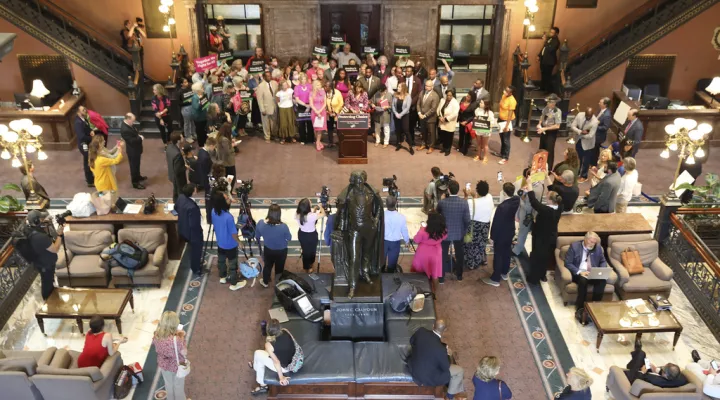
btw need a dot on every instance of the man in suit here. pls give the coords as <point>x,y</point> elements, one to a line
<point>457,219</point>
<point>427,113</point>
<point>480,92</point>
<point>604,122</point>
<point>369,82</point>
<point>582,256</point>
<point>669,376</point>
<point>265,94</point>
<point>443,86</point>
<point>134,145</point>
<point>176,164</point>
<point>585,127</point>
<point>189,226</point>
<point>414,85</point>
<point>502,233</point>
<point>633,130</point>
<point>603,196</point>
<point>329,74</point>
<point>548,58</point>
<point>429,360</point>
<point>84,135</point>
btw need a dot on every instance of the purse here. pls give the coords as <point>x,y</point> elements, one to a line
<point>150,204</point>
<point>184,368</point>
<point>298,358</point>
<point>469,235</point>
<point>631,261</point>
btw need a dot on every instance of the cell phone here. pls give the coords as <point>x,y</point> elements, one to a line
<point>647,363</point>
<point>714,365</point>
<point>174,213</point>
<point>467,186</point>
<point>230,178</point>
<point>423,224</point>
<point>180,327</point>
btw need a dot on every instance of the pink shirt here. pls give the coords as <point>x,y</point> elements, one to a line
<point>303,95</point>
<point>166,353</point>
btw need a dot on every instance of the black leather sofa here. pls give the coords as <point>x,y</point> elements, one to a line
<point>343,369</point>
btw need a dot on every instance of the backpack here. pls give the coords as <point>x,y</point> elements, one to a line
<point>246,225</point>
<point>293,297</point>
<point>128,255</point>
<point>251,269</point>
<point>21,242</point>
<point>402,297</point>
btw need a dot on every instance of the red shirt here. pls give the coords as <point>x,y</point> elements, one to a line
<point>94,353</point>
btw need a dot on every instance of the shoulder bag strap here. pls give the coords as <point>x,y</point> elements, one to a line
<point>177,356</point>
<point>500,389</point>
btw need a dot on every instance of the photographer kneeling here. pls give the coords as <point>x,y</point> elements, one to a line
<point>38,246</point>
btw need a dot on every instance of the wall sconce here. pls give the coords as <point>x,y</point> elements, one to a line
<point>39,89</point>
<point>713,88</point>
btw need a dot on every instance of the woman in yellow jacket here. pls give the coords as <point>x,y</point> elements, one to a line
<point>102,163</point>
<point>335,104</point>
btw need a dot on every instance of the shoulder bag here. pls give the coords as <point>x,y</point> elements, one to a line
<point>184,368</point>
<point>469,235</point>
<point>631,261</point>
<point>298,357</point>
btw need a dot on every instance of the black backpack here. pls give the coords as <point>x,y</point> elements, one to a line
<point>21,243</point>
<point>402,297</point>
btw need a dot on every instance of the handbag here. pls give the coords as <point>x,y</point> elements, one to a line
<point>150,204</point>
<point>103,201</point>
<point>469,235</point>
<point>631,261</point>
<point>184,368</point>
<point>298,358</point>
<point>124,381</point>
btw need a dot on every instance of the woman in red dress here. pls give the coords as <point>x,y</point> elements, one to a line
<point>428,256</point>
<point>99,345</point>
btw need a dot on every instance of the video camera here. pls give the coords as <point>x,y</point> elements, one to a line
<point>139,22</point>
<point>60,218</point>
<point>324,197</point>
<point>390,186</point>
<point>243,189</point>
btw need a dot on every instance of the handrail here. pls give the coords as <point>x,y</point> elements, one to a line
<point>697,211</point>
<point>614,28</point>
<point>694,240</point>
<point>6,252</point>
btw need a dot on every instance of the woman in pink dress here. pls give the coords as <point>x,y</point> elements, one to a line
<point>428,256</point>
<point>318,113</point>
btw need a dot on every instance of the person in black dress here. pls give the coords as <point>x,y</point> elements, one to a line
<point>544,233</point>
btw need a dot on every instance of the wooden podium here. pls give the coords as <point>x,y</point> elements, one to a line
<point>352,136</point>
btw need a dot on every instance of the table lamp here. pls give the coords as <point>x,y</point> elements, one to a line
<point>39,90</point>
<point>713,88</point>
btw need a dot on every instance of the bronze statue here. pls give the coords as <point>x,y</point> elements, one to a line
<point>358,233</point>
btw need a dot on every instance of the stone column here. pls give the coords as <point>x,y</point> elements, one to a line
<point>192,27</point>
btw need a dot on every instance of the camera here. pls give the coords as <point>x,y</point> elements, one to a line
<point>390,186</point>
<point>324,197</point>
<point>243,189</point>
<point>139,22</point>
<point>60,218</point>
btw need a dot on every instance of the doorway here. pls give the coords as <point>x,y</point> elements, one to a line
<point>359,24</point>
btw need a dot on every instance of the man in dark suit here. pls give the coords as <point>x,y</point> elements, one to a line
<point>603,196</point>
<point>669,376</point>
<point>429,360</point>
<point>457,219</point>
<point>415,87</point>
<point>443,86</point>
<point>189,227</point>
<point>370,82</point>
<point>604,123</point>
<point>84,135</point>
<point>502,233</point>
<point>582,256</point>
<point>134,145</point>
<point>633,130</point>
<point>176,164</point>
<point>548,58</point>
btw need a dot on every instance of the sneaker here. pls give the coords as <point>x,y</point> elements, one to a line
<point>490,282</point>
<point>238,285</point>
<point>504,277</point>
<point>223,280</point>
<point>263,284</point>
<point>441,281</point>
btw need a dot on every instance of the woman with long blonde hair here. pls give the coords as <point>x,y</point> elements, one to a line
<point>600,171</point>
<point>171,349</point>
<point>102,163</point>
<point>401,117</point>
<point>318,114</point>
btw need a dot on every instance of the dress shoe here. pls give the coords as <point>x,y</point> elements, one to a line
<point>695,356</point>
<point>412,152</point>
<point>544,279</point>
<point>582,180</point>
<point>421,148</point>
<point>138,186</point>
<point>91,185</point>
<point>447,153</point>
<point>398,148</point>
<point>143,178</point>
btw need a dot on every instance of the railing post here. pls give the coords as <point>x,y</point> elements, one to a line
<point>134,95</point>
<point>171,90</point>
<point>668,206</point>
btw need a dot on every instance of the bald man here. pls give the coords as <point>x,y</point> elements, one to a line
<point>633,130</point>
<point>429,361</point>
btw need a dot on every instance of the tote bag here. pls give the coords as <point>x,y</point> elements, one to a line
<point>183,369</point>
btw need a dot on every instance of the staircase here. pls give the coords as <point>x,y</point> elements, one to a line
<point>629,36</point>
<point>72,38</point>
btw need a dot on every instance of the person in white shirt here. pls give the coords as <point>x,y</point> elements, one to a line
<point>286,114</point>
<point>707,374</point>
<point>396,231</point>
<point>627,184</point>
<point>343,58</point>
<point>481,209</point>
<point>585,127</point>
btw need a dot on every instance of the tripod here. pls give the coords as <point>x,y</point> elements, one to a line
<point>328,210</point>
<point>249,221</point>
<point>67,264</point>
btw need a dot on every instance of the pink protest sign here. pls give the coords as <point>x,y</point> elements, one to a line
<point>203,64</point>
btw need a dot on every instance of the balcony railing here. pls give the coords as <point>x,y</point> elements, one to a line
<point>16,274</point>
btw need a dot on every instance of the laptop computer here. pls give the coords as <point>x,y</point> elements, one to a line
<point>600,273</point>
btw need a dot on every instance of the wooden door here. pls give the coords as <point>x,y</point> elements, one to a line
<point>360,24</point>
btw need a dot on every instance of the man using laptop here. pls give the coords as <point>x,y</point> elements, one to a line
<point>586,263</point>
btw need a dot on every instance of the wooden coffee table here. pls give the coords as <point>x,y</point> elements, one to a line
<point>616,317</point>
<point>80,304</point>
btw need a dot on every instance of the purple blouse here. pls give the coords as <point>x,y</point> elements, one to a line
<point>343,89</point>
<point>357,104</point>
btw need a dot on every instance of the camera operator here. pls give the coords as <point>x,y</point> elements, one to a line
<point>430,198</point>
<point>395,231</point>
<point>133,35</point>
<point>37,233</point>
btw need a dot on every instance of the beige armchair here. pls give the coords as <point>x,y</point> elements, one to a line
<point>563,277</point>
<point>83,254</point>
<point>657,277</point>
<point>16,369</point>
<point>154,240</point>
<point>63,380</point>
<point>619,386</point>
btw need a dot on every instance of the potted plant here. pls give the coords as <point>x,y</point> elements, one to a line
<point>707,196</point>
<point>8,202</point>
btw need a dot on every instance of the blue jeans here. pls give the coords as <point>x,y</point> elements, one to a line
<point>392,254</point>
<point>522,237</point>
<point>227,264</point>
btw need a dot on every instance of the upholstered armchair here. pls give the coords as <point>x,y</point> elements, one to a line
<point>619,386</point>
<point>655,279</point>
<point>563,277</point>
<point>154,240</point>
<point>83,256</point>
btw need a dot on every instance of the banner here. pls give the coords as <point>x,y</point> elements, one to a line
<point>244,94</point>
<point>402,51</point>
<point>225,55</point>
<point>444,55</point>
<point>207,63</point>
<point>217,89</point>
<point>353,121</point>
<point>320,51</point>
<point>370,50</point>
<point>481,124</point>
<point>257,66</point>
<point>337,40</point>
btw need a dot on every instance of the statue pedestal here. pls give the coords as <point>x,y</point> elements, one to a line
<point>364,293</point>
<point>359,318</point>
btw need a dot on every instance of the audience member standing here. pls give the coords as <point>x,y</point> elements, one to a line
<point>286,113</point>
<point>429,360</point>
<point>370,82</point>
<point>276,236</point>
<point>329,74</point>
<point>302,103</point>
<point>382,109</point>
<point>564,186</point>
<point>134,142</point>
<point>506,115</point>
<point>265,93</point>
<point>185,97</point>
<point>335,105</point>
<point>401,105</point>
<point>259,55</point>
<point>548,127</point>
<point>580,258</point>
<point>633,130</point>
<point>200,105</point>
<point>604,123</point>
<point>176,164</point>
<point>544,234</point>
<point>627,185</point>
<point>502,233</point>
<point>102,163</point>
<point>357,100</point>
<point>428,257</point>
<point>226,235</point>
<point>585,127</point>
<point>343,58</point>
<point>84,135</point>
<point>466,114</point>
<point>395,231</point>
<point>479,89</point>
<point>487,386</point>
<point>342,83</point>
<point>190,227</point>
<point>430,195</point>
<point>457,217</point>
<point>414,88</point>
<point>548,58</point>
<point>171,350</point>
<point>318,114</point>
<point>603,196</point>
<point>481,209</point>
<point>526,213</point>
<point>224,153</point>
<point>427,116</point>
<point>482,136</point>
<point>570,163</point>
<point>161,107</point>
<point>307,216</point>
<point>447,112</point>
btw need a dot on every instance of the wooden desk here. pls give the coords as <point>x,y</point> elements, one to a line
<point>603,224</point>
<point>57,123</point>
<point>119,221</point>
